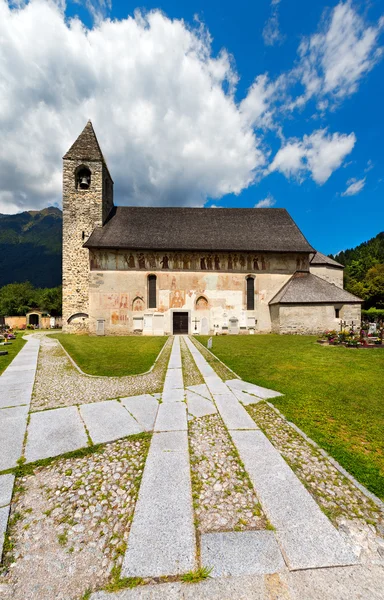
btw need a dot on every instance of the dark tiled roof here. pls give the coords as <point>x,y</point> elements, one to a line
<point>321,259</point>
<point>86,147</point>
<point>306,288</point>
<point>204,229</point>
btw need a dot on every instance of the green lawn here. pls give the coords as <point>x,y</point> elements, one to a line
<point>334,394</point>
<point>17,345</point>
<point>112,356</point>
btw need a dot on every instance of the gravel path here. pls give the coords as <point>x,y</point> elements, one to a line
<point>191,374</point>
<point>70,522</point>
<point>59,383</point>
<point>349,509</point>
<point>223,496</point>
<point>220,369</point>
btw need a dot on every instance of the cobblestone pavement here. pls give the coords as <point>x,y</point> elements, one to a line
<point>70,521</point>
<point>351,511</point>
<point>58,383</point>
<point>223,496</point>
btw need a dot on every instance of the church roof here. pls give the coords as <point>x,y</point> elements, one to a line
<point>306,288</point>
<point>86,147</point>
<point>321,259</point>
<point>200,229</point>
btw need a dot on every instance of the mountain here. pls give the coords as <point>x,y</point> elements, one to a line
<point>364,271</point>
<point>30,247</point>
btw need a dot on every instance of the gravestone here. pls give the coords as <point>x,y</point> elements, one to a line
<point>233,325</point>
<point>204,326</point>
<point>209,345</point>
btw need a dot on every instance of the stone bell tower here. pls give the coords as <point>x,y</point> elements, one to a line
<point>87,202</point>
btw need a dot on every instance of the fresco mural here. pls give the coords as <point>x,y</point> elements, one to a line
<point>238,262</point>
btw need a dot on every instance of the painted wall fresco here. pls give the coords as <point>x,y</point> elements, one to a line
<point>242,262</point>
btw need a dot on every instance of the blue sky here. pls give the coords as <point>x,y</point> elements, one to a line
<point>307,136</point>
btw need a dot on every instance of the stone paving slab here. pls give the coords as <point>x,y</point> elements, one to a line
<point>13,397</point>
<point>215,385</point>
<point>18,378</point>
<point>251,388</point>
<point>307,538</point>
<point>173,396</point>
<point>108,421</point>
<point>54,432</point>
<point>200,389</point>
<point>173,379</point>
<point>245,398</point>
<point>162,537</point>
<point>199,406</point>
<point>4,513</point>
<point>233,414</point>
<point>6,488</point>
<point>171,417</point>
<point>143,408</point>
<point>241,553</point>
<point>347,583</point>
<point>13,422</point>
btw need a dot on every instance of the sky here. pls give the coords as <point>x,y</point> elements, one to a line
<point>275,103</point>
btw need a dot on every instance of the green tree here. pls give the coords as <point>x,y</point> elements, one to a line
<point>16,299</point>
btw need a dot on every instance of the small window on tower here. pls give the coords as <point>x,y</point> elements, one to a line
<point>83,178</point>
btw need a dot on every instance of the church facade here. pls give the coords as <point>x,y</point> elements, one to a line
<point>160,271</point>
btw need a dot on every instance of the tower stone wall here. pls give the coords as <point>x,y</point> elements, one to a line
<point>83,210</point>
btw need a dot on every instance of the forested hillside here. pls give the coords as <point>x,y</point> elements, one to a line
<point>30,247</point>
<point>364,271</point>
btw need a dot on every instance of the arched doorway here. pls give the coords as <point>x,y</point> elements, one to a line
<point>34,319</point>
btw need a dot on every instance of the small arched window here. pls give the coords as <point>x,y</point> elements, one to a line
<point>250,293</point>
<point>152,291</point>
<point>83,178</point>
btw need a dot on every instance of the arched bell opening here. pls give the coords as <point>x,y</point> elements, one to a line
<point>83,178</point>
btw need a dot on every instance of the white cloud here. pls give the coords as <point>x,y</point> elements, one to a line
<point>257,107</point>
<point>319,153</point>
<point>153,90</point>
<point>271,32</point>
<point>354,187</point>
<point>334,60</point>
<point>266,203</point>
<point>369,166</point>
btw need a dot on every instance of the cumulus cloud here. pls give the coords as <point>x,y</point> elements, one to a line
<point>354,187</point>
<point>319,154</point>
<point>162,103</point>
<point>334,60</point>
<point>266,203</point>
<point>271,32</point>
<point>159,101</point>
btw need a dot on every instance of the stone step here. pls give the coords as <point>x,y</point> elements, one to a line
<point>162,540</point>
<point>307,537</point>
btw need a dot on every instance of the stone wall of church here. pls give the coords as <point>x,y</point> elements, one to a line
<point>330,274</point>
<point>214,298</point>
<point>83,210</point>
<point>313,318</point>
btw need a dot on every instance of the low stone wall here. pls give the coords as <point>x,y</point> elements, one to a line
<point>313,318</point>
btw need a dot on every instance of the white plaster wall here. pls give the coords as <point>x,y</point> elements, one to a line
<point>313,318</point>
<point>330,274</point>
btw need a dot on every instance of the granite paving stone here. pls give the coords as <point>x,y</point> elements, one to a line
<point>162,540</point>
<point>174,395</point>
<point>54,432</point>
<point>171,417</point>
<point>233,413</point>
<point>307,537</point>
<point>13,422</point>
<point>143,408</point>
<point>4,513</point>
<point>245,398</point>
<point>251,388</point>
<point>200,389</point>
<point>10,396</point>
<point>199,406</point>
<point>215,385</point>
<point>6,488</point>
<point>108,421</point>
<point>237,553</point>
<point>173,379</point>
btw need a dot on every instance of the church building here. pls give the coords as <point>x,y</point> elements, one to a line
<point>169,270</point>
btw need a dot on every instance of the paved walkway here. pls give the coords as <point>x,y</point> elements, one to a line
<point>162,538</point>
